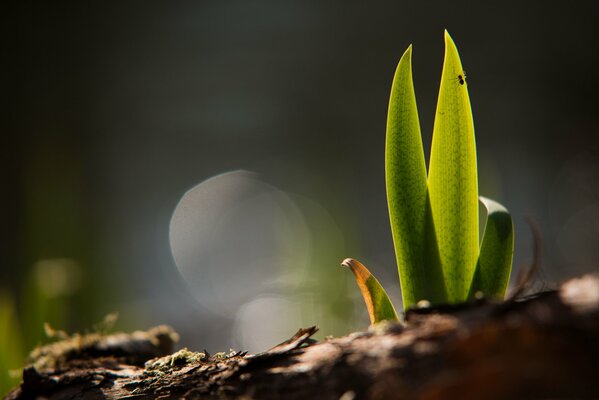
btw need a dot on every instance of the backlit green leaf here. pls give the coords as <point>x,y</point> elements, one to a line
<point>378,304</point>
<point>452,179</point>
<point>405,172</point>
<point>496,251</point>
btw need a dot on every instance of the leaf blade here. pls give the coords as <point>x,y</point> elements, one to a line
<point>405,175</point>
<point>378,304</point>
<point>496,251</point>
<point>452,179</point>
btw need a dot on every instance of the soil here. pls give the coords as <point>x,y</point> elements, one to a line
<point>542,346</point>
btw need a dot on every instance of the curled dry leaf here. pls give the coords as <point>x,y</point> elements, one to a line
<point>377,302</point>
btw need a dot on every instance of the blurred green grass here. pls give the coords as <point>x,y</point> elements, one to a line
<point>11,344</point>
<point>45,298</point>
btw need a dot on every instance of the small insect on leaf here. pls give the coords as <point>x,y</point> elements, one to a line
<point>453,179</point>
<point>462,78</point>
<point>378,304</point>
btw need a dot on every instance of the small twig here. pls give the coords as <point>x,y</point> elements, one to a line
<point>526,275</point>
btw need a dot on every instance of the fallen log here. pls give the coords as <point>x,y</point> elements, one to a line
<point>543,346</point>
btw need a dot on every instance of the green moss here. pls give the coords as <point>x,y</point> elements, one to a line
<point>178,359</point>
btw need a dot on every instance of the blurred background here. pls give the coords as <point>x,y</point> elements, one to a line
<point>112,111</point>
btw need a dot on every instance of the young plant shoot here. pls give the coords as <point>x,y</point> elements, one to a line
<point>434,219</point>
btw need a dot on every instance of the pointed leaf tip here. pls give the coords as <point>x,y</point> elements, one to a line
<point>405,175</point>
<point>452,178</point>
<point>450,44</point>
<point>377,302</point>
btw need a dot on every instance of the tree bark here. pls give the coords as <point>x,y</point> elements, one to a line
<point>544,346</point>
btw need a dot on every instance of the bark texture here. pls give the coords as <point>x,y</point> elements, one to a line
<point>545,346</point>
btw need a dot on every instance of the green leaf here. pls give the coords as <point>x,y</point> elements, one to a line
<point>405,171</point>
<point>452,179</point>
<point>496,251</point>
<point>378,304</point>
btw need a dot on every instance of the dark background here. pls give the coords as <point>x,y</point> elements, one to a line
<point>112,110</point>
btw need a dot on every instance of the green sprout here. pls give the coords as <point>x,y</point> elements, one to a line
<point>434,219</point>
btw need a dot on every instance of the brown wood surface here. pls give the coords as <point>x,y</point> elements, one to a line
<point>545,346</point>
